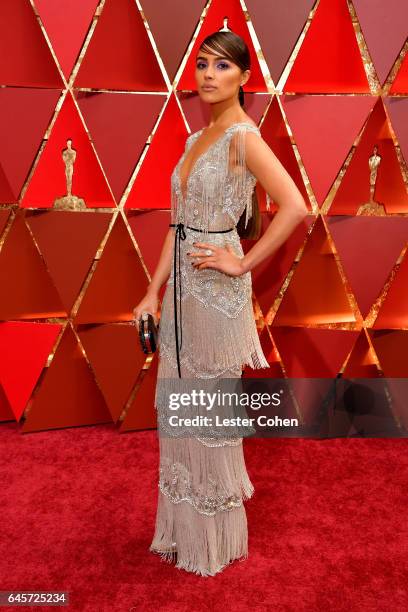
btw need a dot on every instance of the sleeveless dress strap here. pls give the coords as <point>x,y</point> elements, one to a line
<point>239,174</point>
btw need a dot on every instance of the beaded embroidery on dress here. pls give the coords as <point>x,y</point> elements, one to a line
<point>201,521</point>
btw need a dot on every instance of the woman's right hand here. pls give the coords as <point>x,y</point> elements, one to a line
<point>149,303</point>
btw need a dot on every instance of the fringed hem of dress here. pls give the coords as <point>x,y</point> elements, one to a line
<point>216,345</point>
<point>201,519</point>
<point>205,544</point>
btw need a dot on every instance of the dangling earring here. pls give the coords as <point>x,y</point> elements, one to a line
<point>241,95</point>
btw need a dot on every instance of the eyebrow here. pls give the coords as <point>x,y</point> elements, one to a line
<point>217,56</point>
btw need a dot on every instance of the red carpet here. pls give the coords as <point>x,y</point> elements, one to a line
<point>327,525</point>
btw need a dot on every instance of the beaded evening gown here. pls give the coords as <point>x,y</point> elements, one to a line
<point>207,331</point>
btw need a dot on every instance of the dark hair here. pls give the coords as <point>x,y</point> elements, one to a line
<point>235,48</point>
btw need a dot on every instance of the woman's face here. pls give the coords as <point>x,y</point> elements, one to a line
<point>217,77</point>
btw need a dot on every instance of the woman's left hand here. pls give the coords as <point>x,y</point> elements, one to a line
<point>222,258</point>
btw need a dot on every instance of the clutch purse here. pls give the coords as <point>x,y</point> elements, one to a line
<point>148,333</point>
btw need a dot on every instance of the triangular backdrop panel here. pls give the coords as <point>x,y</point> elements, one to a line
<point>324,129</point>
<point>269,276</point>
<point>159,15</point>
<point>368,248</point>
<point>151,188</point>
<point>313,353</point>
<point>68,395</point>
<point>397,109</point>
<point>28,291</point>
<point>400,83</point>
<point>4,217</point>
<point>362,362</point>
<point>390,189</point>
<point>149,229</point>
<point>120,54</point>
<point>119,124</point>
<point>25,114</point>
<point>394,312</point>
<point>68,242</point>
<point>278,27</point>
<point>391,347</point>
<point>116,357</point>
<point>25,57</point>
<point>118,283</point>
<point>67,28</point>
<point>319,65</point>
<point>6,412</point>
<point>49,180</point>
<point>142,413</point>
<point>275,134</point>
<point>384,26</point>
<point>328,301</point>
<point>24,352</point>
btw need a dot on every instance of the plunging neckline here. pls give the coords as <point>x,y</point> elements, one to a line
<point>212,145</point>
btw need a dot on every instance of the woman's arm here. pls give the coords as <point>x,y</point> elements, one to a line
<point>163,268</point>
<point>276,181</point>
<point>150,301</point>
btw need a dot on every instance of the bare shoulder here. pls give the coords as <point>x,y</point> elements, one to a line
<point>246,128</point>
<point>251,122</point>
<point>242,123</point>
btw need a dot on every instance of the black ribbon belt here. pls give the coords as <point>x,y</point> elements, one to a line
<point>181,235</point>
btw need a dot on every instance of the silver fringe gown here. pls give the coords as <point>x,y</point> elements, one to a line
<point>207,332</point>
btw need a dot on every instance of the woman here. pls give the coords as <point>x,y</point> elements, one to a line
<point>207,329</point>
